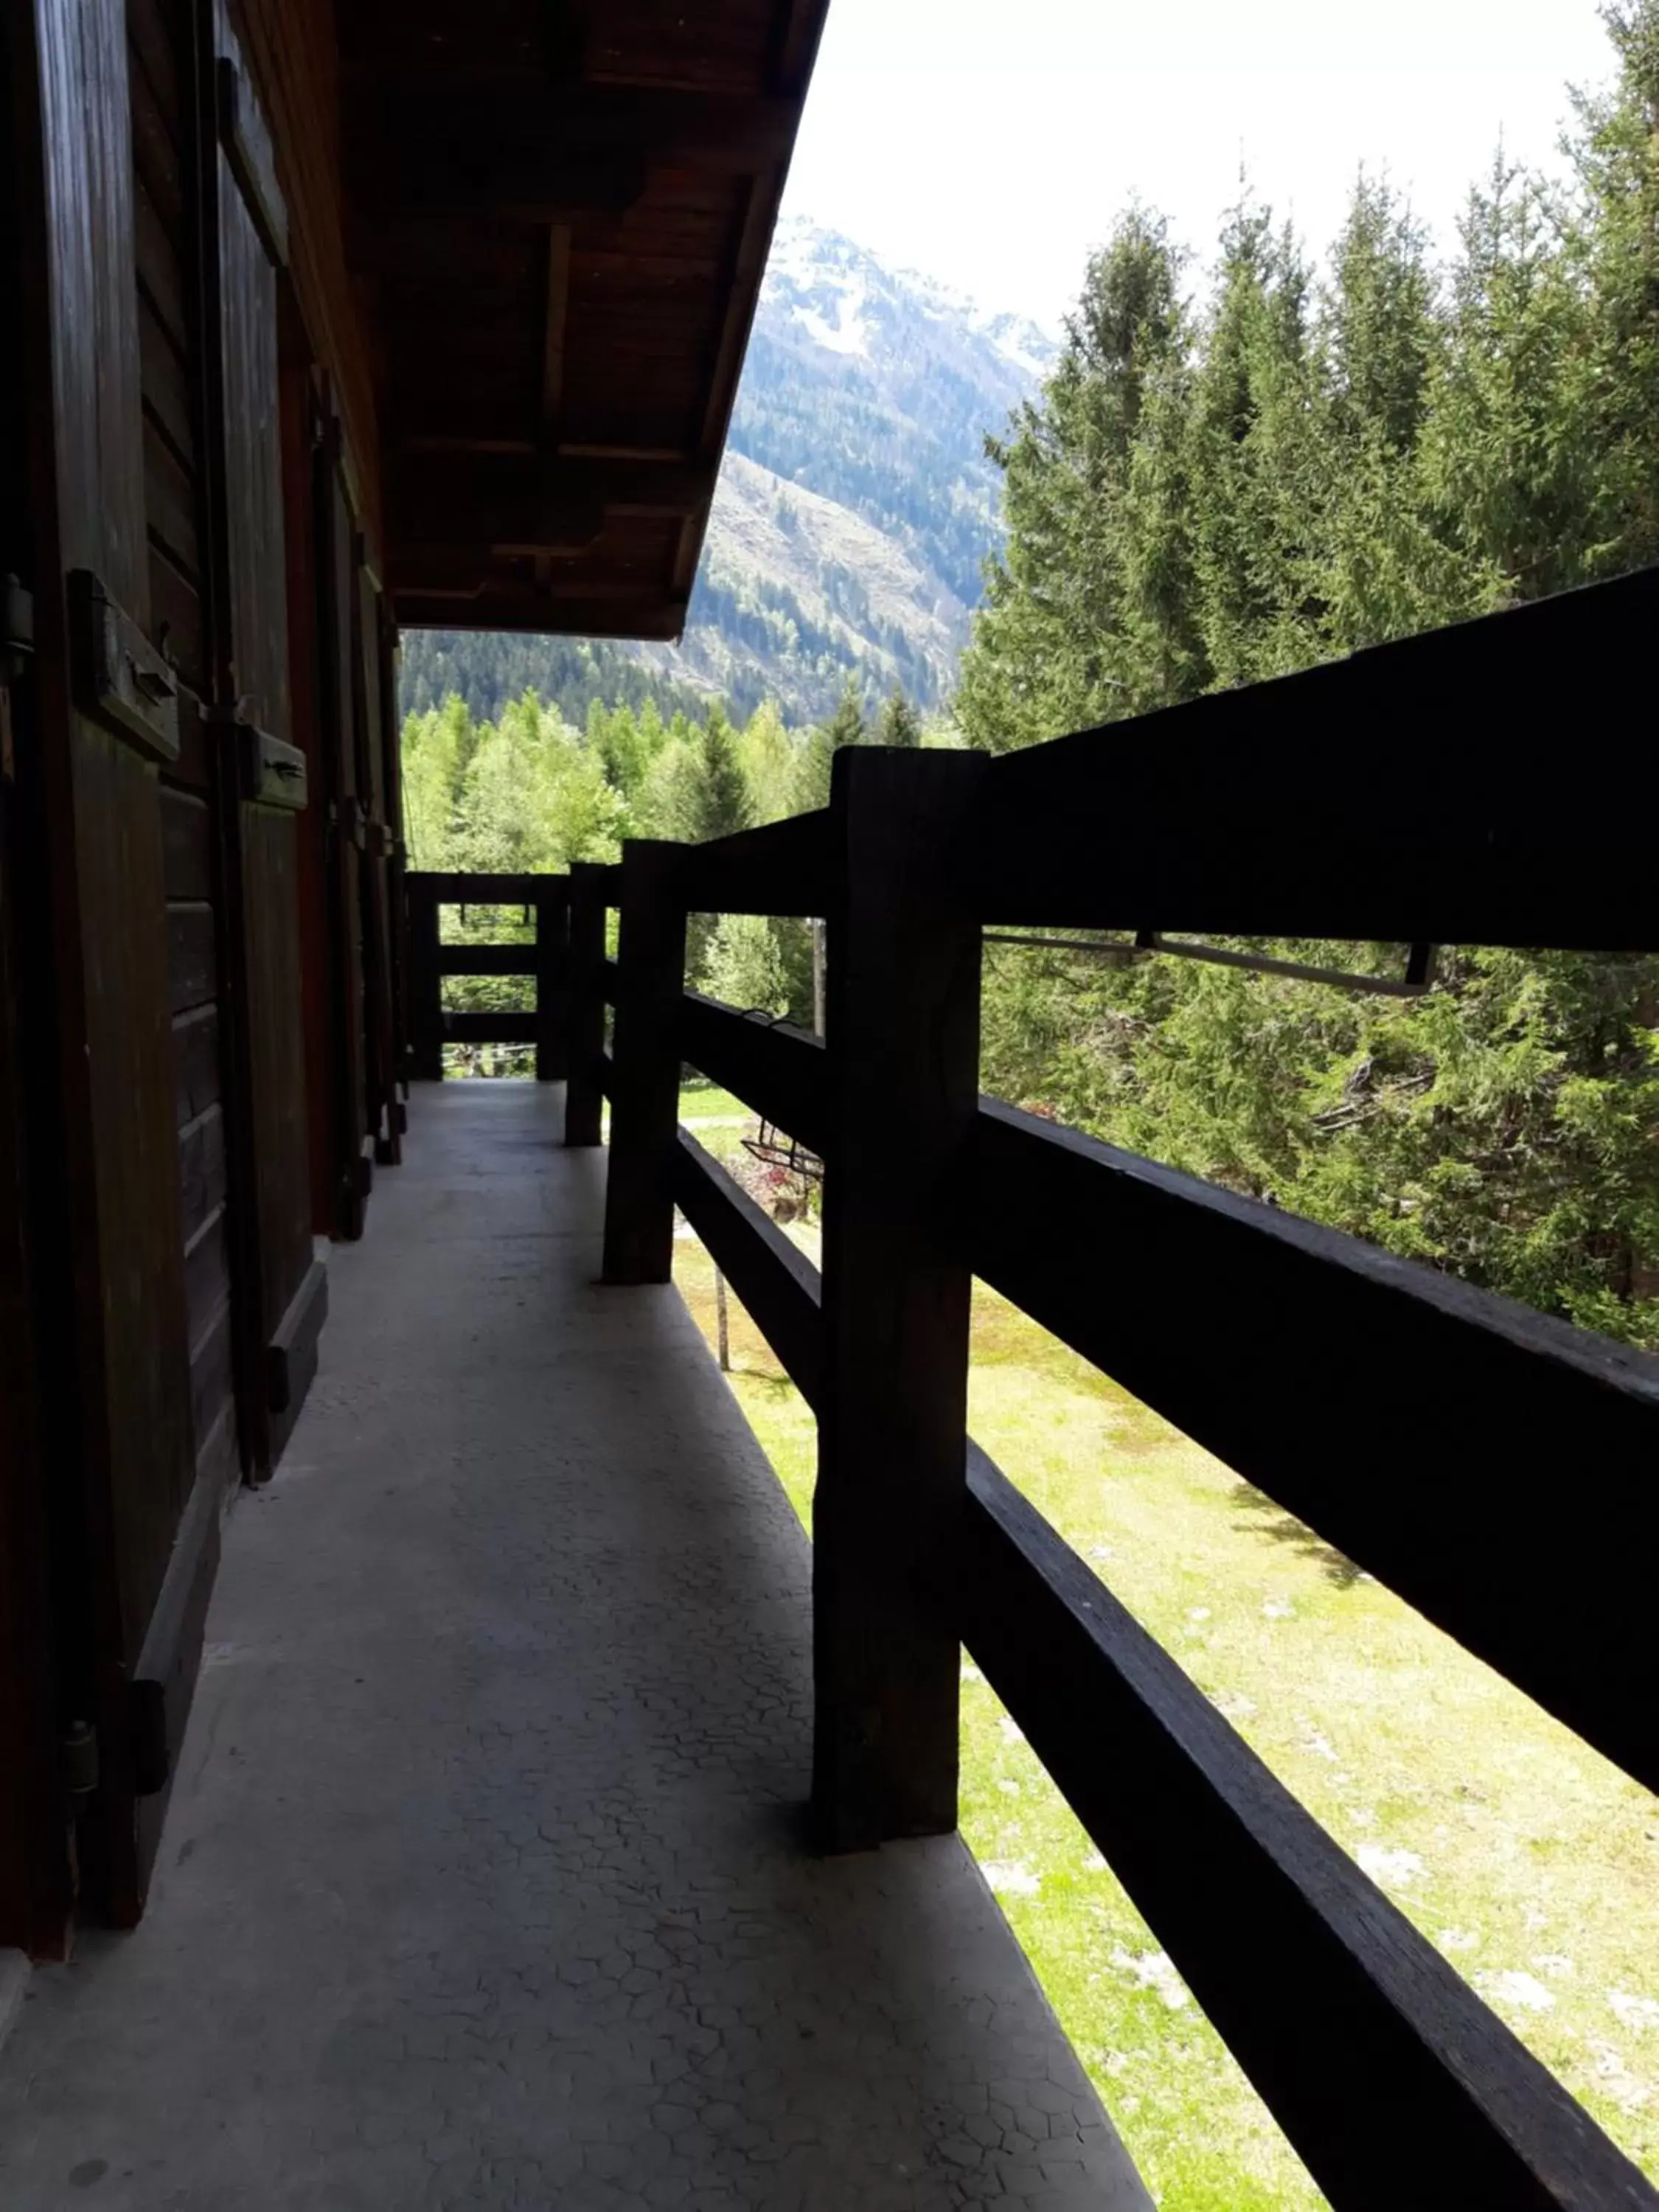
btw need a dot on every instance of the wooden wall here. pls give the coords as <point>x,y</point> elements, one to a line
<point>174,903</point>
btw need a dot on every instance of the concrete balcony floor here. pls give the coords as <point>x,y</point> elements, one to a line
<point>483,1883</point>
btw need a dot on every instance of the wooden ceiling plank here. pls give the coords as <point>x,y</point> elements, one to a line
<point>594,189</point>
<point>558,314</point>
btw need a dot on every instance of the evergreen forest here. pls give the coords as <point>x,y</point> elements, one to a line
<point>1235,468</point>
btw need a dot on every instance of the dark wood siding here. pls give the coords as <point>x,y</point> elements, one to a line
<point>341,788</point>
<point>259,581</point>
<point>126,1327</point>
<point>270,882</point>
<point>379,1068</point>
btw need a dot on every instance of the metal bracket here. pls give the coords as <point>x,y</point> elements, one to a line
<point>273,773</point>
<point>120,680</point>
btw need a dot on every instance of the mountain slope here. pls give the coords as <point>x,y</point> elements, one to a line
<point>855,506</point>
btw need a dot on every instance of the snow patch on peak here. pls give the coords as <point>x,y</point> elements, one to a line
<point>848,333</point>
<point>1019,341</point>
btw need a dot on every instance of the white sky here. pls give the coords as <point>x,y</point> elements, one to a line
<point>990,142</point>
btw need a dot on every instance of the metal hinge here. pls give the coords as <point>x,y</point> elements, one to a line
<point>81,1758</point>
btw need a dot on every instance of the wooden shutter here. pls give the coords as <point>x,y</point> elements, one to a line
<point>347,834</point>
<point>381,1048</point>
<point>282,1288</point>
<point>126,1359</point>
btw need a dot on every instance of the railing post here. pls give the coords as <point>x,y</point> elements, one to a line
<point>426,1020</point>
<point>904,1038</point>
<point>639,1207</point>
<point>584,1101</point>
<point>552,979</point>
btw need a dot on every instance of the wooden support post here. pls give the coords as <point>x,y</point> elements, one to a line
<point>584,1101</point>
<point>904,1038</point>
<point>426,1020</point>
<point>553,980</point>
<point>638,1208</point>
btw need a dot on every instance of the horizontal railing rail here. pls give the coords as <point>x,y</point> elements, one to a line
<point>1423,1428</point>
<point>1419,1426</point>
<point>481,887</point>
<point>778,1071</point>
<point>782,869</point>
<point>1400,796</point>
<point>1395,2082</point>
<point>777,1284</point>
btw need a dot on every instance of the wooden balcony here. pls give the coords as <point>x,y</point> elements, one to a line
<point>552,1826</point>
<point>1473,1404</point>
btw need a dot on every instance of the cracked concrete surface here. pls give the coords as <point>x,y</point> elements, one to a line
<point>483,1882</point>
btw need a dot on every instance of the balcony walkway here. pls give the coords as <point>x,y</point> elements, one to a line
<point>483,1883</point>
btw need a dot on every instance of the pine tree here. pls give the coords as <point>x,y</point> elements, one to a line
<point>1087,614</point>
<point>1387,569</point>
<point>846,726</point>
<point>653,735</point>
<point>1612,237</point>
<point>900,723</point>
<point>1254,458</point>
<point>1513,455</point>
<point>768,762</point>
<point>719,804</point>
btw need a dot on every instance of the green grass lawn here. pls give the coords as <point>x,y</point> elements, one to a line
<point>704,1102</point>
<point>1532,1863</point>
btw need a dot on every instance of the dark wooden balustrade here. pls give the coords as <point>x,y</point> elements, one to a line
<point>1255,1333</point>
<point>547,962</point>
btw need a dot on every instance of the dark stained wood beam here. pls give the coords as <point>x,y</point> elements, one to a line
<point>746,268</point>
<point>1394,2082</point>
<point>1491,783</point>
<point>782,1072</point>
<point>507,504</point>
<point>1412,1421</point>
<point>781,868</point>
<point>647,613</point>
<point>776,1283</point>
<point>794,46</point>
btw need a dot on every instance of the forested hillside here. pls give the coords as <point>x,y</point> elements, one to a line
<point>1225,475</point>
<point>856,508</point>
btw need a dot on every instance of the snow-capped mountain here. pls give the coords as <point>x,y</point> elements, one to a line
<point>857,505</point>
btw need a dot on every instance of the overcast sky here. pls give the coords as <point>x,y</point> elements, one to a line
<point>989,143</point>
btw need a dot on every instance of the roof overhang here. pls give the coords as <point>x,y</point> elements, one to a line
<point>559,218</point>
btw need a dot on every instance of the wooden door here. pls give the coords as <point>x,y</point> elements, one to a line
<point>36,1886</point>
<point>135,1533</point>
<point>282,1288</point>
<point>396,866</point>
<point>345,844</point>
<point>376,773</point>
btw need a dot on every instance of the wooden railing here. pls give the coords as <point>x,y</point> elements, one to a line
<point>544,898</point>
<point>1423,1428</point>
